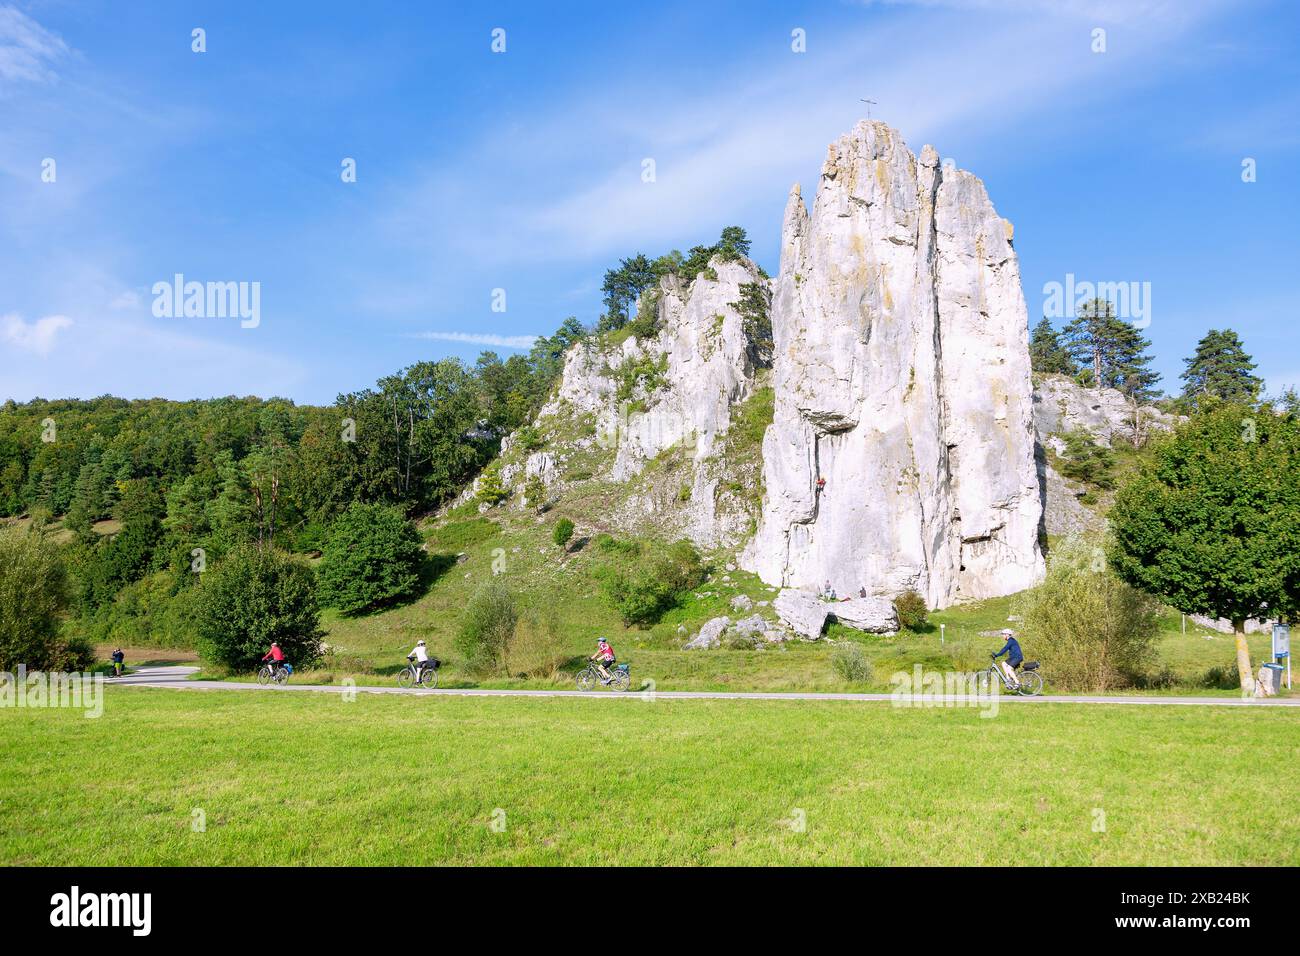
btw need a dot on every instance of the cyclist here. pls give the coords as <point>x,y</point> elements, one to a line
<point>274,655</point>
<point>419,653</point>
<point>603,659</point>
<point>1015,657</point>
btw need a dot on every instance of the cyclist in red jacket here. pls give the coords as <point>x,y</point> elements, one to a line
<point>274,654</point>
<point>603,658</point>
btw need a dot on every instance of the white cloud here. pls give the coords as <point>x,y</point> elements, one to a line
<point>28,51</point>
<point>474,338</point>
<point>37,337</point>
<point>127,301</point>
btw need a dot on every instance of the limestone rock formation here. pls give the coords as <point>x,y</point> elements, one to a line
<point>873,614</point>
<point>1062,405</point>
<point>709,636</point>
<point>667,395</point>
<point>802,612</point>
<point>902,379</point>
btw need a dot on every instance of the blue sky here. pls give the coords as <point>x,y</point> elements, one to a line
<point>522,170</point>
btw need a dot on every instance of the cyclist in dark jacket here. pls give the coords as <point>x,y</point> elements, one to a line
<point>1015,656</point>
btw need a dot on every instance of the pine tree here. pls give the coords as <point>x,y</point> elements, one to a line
<point>1112,353</point>
<point>1047,354</point>
<point>1220,368</point>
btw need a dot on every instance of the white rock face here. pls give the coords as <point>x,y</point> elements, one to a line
<point>1062,405</point>
<point>803,613</point>
<point>873,614</point>
<point>706,364</point>
<point>902,378</point>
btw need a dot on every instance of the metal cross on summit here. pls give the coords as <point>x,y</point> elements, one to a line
<point>870,103</point>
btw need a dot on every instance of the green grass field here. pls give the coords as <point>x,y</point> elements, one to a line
<point>307,779</point>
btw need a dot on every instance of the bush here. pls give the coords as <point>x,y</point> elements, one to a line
<point>651,580</point>
<point>71,655</point>
<point>911,610</point>
<point>1086,461</point>
<point>149,613</point>
<point>537,649</point>
<point>563,531</point>
<point>646,323</point>
<point>252,597</point>
<point>491,489</point>
<point>373,555</point>
<point>535,493</point>
<point>487,628</point>
<point>851,664</point>
<point>34,593</point>
<point>1092,631</point>
<point>650,373</point>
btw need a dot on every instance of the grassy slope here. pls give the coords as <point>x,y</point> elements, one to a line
<point>371,648</point>
<point>298,779</point>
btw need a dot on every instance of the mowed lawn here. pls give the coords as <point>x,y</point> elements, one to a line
<point>279,778</point>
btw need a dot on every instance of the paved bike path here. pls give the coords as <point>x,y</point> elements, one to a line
<point>177,678</point>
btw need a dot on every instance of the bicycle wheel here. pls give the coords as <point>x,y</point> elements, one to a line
<point>281,675</point>
<point>405,678</point>
<point>586,678</point>
<point>430,680</point>
<point>989,682</point>
<point>264,675</point>
<point>621,680</point>
<point>1031,684</point>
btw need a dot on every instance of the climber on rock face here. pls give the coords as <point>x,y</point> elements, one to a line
<point>821,484</point>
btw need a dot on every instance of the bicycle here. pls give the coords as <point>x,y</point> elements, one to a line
<point>277,675</point>
<point>1030,682</point>
<point>413,676</point>
<point>619,678</point>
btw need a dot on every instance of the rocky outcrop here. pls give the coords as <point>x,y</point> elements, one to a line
<point>710,635</point>
<point>802,612</point>
<point>1063,511</point>
<point>902,379</point>
<point>1062,405</point>
<point>670,394</point>
<point>873,614</point>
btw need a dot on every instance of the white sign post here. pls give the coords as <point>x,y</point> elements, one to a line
<point>1282,648</point>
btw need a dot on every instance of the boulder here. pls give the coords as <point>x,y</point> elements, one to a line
<point>742,602</point>
<point>710,635</point>
<point>873,614</point>
<point>803,612</point>
<point>752,626</point>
